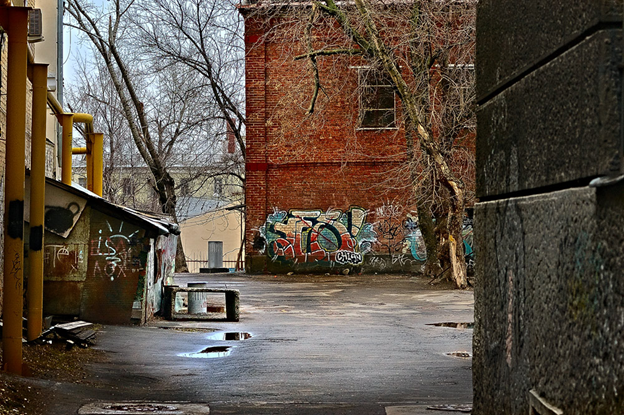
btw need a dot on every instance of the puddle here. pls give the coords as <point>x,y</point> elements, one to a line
<point>453,325</point>
<point>210,352</point>
<point>465,355</point>
<point>140,407</point>
<point>229,336</point>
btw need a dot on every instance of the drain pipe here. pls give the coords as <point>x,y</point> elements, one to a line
<point>14,20</point>
<point>38,73</point>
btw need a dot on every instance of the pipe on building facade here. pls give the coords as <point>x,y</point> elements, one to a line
<point>14,20</point>
<point>38,73</point>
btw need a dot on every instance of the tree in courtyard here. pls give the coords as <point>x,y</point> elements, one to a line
<point>423,51</point>
<point>169,112</point>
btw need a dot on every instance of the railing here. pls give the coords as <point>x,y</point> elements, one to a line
<point>197,261</point>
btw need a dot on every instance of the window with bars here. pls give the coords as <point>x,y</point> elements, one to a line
<point>377,103</point>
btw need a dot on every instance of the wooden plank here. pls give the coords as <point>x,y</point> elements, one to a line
<point>85,335</point>
<point>74,325</point>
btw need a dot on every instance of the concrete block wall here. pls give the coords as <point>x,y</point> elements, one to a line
<point>549,296</point>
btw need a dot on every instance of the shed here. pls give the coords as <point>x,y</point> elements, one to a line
<point>103,262</point>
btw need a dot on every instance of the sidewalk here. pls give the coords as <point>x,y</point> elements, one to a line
<point>319,345</point>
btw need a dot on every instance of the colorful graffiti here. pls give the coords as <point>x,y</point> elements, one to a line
<point>316,236</point>
<point>416,245</point>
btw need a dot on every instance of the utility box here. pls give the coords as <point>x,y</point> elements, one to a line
<point>215,254</point>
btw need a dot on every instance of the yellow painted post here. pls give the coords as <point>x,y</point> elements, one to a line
<point>67,121</point>
<point>98,163</point>
<point>89,161</point>
<point>15,21</point>
<point>39,77</point>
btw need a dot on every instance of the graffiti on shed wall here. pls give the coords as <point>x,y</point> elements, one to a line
<point>112,251</point>
<point>62,259</point>
<point>315,236</point>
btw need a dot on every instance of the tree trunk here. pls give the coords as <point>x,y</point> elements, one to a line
<point>427,229</point>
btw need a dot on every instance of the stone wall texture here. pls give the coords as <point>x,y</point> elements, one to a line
<point>549,296</point>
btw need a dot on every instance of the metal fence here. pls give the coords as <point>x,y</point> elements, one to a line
<point>200,260</point>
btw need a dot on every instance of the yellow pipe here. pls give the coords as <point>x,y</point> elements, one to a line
<point>98,163</point>
<point>90,161</point>
<point>39,76</point>
<point>87,119</point>
<point>54,104</point>
<point>15,21</point>
<point>67,122</point>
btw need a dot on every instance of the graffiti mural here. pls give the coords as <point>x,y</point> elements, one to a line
<point>304,236</point>
<point>413,241</point>
<point>416,245</point>
<point>400,235</point>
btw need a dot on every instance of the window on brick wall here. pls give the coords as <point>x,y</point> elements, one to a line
<point>377,109</point>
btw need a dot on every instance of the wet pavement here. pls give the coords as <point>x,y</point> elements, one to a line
<point>304,345</point>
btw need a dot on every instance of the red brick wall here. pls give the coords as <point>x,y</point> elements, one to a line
<point>322,162</point>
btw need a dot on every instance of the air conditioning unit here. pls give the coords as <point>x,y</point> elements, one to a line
<point>35,26</point>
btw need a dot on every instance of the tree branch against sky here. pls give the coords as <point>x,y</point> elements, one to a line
<point>204,37</point>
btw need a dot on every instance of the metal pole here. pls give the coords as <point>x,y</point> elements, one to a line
<point>37,199</point>
<point>15,21</point>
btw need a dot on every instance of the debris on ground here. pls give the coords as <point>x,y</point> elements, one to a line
<point>80,333</point>
<point>52,358</point>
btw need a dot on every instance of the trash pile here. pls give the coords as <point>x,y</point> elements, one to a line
<point>78,333</point>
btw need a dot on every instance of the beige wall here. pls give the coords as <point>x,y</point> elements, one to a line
<point>218,225</point>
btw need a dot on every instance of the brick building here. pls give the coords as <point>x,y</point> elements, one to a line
<point>331,190</point>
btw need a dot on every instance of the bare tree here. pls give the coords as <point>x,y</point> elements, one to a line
<point>168,112</point>
<point>424,50</point>
<point>204,37</point>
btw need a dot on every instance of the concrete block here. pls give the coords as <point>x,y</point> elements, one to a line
<point>514,36</point>
<point>549,301</point>
<point>561,123</point>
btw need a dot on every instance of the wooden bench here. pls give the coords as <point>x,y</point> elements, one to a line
<point>232,303</point>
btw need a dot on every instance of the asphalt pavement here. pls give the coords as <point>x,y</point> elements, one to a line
<point>309,345</point>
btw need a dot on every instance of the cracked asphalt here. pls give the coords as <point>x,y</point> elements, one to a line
<point>320,345</point>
